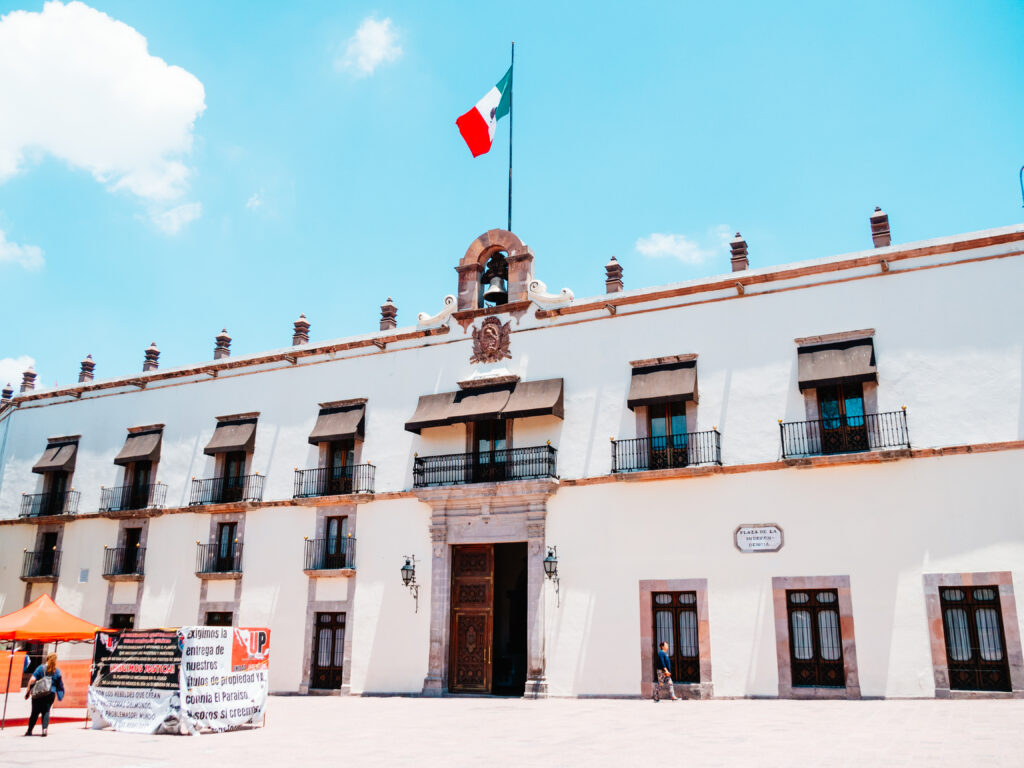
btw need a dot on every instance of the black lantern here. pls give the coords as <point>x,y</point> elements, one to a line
<point>409,579</point>
<point>551,571</point>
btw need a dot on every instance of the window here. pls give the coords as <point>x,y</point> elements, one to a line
<point>139,475</point>
<point>843,426</point>
<point>132,539</point>
<point>55,486</point>
<point>234,476</point>
<point>219,618</point>
<point>666,430</point>
<point>226,547</point>
<point>675,622</point>
<point>815,638</point>
<point>336,544</point>
<point>46,557</point>
<point>489,450</point>
<point>122,621</point>
<point>340,460</point>
<point>972,622</point>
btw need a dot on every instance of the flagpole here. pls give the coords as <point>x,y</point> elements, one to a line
<point>510,79</point>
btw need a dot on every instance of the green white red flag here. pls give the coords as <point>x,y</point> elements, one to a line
<point>477,126</point>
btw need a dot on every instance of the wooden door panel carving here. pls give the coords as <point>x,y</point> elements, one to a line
<point>472,618</point>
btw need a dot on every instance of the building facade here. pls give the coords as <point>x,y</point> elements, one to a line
<point>807,479</point>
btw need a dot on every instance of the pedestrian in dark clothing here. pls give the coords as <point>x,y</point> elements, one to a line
<point>45,687</point>
<point>664,673</point>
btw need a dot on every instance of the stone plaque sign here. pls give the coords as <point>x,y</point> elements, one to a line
<point>759,537</point>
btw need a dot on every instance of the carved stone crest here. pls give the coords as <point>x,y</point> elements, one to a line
<point>490,341</point>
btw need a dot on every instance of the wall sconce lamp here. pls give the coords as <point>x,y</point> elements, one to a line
<point>409,578</point>
<point>551,571</point>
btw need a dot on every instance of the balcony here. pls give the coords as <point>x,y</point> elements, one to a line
<point>211,560</point>
<point>330,555</point>
<point>845,434</point>
<point>124,563</point>
<point>493,467</point>
<point>55,503</point>
<point>225,490</point>
<point>41,566</point>
<point>333,481</point>
<point>687,450</point>
<point>127,497</point>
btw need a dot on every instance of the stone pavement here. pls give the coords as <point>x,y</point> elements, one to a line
<point>488,732</point>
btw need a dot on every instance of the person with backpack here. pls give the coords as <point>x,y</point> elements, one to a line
<point>45,686</point>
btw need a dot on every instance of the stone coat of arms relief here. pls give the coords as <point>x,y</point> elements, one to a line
<point>490,341</point>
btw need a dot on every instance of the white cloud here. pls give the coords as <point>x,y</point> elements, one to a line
<point>373,44</point>
<point>171,222</point>
<point>254,202</point>
<point>11,369</point>
<point>658,245</point>
<point>82,87</point>
<point>27,256</point>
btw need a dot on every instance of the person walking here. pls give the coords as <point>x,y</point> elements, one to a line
<point>664,673</point>
<point>45,686</point>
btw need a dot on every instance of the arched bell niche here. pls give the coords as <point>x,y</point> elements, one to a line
<point>496,270</point>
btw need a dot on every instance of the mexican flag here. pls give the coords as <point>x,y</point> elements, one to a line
<point>477,126</point>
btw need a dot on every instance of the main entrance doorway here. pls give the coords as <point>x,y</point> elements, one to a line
<point>488,619</point>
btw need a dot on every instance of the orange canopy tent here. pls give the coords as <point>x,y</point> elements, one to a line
<point>42,621</point>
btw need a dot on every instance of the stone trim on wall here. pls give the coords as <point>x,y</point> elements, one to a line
<point>205,605</point>
<point>842,586</point>
<point>40,530</point>
<point>1011,631</point>
<point>705,688</point>
<point>132,608</point>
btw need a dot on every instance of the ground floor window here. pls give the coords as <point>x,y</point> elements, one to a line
<point>328,651</point>
<point>219,618</point>
<point>815,638</point>
<point>122,621</point>
<point>675,622</point>
<point>972,623</point>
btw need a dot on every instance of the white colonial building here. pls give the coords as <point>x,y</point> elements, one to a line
<point>808,479</point>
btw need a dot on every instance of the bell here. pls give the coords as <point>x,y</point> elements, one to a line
<point>496,293</point>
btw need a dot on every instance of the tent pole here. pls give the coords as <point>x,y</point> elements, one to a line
<point>7,692</point>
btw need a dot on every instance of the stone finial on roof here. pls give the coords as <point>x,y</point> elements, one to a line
<point>152,361</point>
<point>223,345</point>
<point>6,393</point>
<point>28,380</point>
<point>88,366</point>
<point>388,316</point>
<point>612,276</point>
<point>301,332</point>
<point>880,234</point>
<point>738,247</point>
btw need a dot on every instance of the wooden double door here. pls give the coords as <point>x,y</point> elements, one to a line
<point>328,651</point>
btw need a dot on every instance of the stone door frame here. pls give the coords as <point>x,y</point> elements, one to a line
<point>487,513</point>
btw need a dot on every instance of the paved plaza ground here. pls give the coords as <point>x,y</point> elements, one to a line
<point>489,732</point>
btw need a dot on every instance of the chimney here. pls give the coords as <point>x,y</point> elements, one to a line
<point>88,366</point>
<point>7,393</point>
<point>388,316</point>
<point>612,276</point>
<point>223,346</point>
<point>301,333</point>
<point>152,361</point>
<point>28,380</point>
<point>880,234</point>
<point>739,259</point>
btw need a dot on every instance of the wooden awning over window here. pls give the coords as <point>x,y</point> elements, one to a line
<point>59,456</point>
<point>143,445</point>
<point>845,362</point>
<point>341,422</point>
<point>663,383</point>
<point>511,400</point>
<point>232,435</point>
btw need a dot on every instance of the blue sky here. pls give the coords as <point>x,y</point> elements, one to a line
<point>303,157</point>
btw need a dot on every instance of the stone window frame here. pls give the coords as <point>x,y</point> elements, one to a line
<point>314,606</point>
<point>937,638</point>
<point>705,688</point>
<point>42,528</point>
<point>205,605</point>
<point>780,584</point>
<point>112,607</point>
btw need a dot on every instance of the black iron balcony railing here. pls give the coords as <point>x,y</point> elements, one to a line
<point>330,481</point>
<point>684,450</point>
<point>212,558</point>
<point>330,554</point>
<point>220,490</point>
<point>845,434</point>
<point>45,564</point>
<point>124,561</point>
<point>124,497</point>
<point>492,467</point>
<point>54,503</point>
